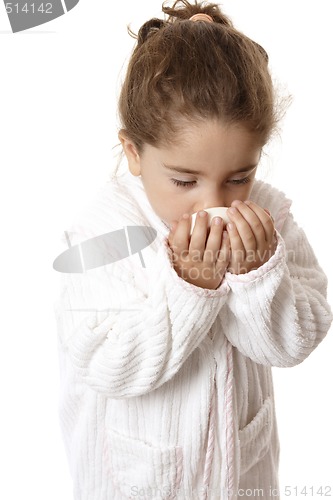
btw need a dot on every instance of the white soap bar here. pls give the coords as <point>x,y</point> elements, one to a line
<point>213,212</point>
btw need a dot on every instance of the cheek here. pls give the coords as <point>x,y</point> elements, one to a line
<point>241,193</point>
<point>248,189</point>
<point>245,190</point>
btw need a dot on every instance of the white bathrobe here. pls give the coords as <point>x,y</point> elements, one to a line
<point>166,387</point>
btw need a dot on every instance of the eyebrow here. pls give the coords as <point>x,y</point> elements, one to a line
<point>198,172</point>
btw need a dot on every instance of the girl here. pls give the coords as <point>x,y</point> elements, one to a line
<point>166,355</point>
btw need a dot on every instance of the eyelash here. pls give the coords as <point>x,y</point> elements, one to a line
<point>191,183</point>
<point>241,181</point>
<point>183,183</point>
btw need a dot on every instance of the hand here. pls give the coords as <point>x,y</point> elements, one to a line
<point>252,236</point>
<point>199,259</point>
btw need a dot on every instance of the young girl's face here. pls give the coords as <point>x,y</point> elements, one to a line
<point>211,166</point>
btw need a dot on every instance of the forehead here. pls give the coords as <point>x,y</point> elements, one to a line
<point>215,131</point>
<point>212,142</point>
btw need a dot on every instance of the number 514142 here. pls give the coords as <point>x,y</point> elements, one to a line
<point>32,8</point>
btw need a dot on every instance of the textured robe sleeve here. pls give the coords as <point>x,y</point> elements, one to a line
<point>145,335</point>
<point>278,314</point>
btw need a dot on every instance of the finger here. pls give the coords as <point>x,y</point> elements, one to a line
<point>223,256</point>
<point>180,239</point>
<point>173,226</point>
<point>242,220</point>
<point>255,224</point>
<point>214,240</point>
<point>199,237</point>
<point>236,244</point>
<point>268,212</point>
<point>265,218</point>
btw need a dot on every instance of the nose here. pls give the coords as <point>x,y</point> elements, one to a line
<point>212,198</point>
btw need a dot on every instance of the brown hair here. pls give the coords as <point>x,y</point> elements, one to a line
<point>182,69</point>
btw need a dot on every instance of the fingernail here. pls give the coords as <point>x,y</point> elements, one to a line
<point>232,210</point>
<point>230,226</point>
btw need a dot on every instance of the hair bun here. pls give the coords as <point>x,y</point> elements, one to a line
<point>184,10</point>
<point>149,28</point>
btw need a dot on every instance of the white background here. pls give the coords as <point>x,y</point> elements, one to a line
<point>58,127</point>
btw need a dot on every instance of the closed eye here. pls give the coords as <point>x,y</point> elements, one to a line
<point>183,183</point>
<point>245,180</point>
<point>240,181</point>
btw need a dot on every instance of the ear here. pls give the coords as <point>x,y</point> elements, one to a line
<point>132,155</point>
